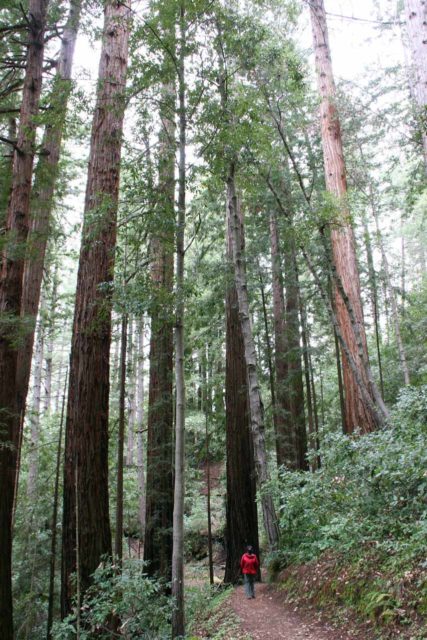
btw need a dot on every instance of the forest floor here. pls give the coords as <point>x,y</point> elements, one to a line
<point>268,617</point>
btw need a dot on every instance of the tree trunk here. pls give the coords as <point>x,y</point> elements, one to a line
<point>392,297</point>
<point>374,296</point>
<point>118,546</point>
<point>12,268</point>
<point>293,356</point>
<point>140,426</point>
<point>159,485</point>
<point>241,509</point>
<point>234,229</point>
<point>132,390</point>
<point>416,24</point>
<point>50,332</point>
<point>52,560</point>
<point>178,615</point>
<point>358,413</point>
<point>86,446</point>
<point>6,169</point>
<point>33,453</point>
<point>42,198</point>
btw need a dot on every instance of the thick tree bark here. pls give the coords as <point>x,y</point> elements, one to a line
<point>358,412</point>
<point>416,24</point>
<point>241,510</point>
<point>178,615</point>
<point>86,446</point>
<point>12,268</point>
<point>159,484</point>
<point>234,229</point>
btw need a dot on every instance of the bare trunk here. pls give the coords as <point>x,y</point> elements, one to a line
<point>50,332</point>
<point>118,546</point>
<point>312,434</point>
<point>256,407</point>
<point>131,374</point>
<point>86,446</point>
<point>159,486</point>
<point>52,561</point>
<point>392,298</point>
<point>34,417</point>
<point>140,427</point>
<point>358,411</point>
<point>241,510</point>
<point>12,268</point>
<point>178,615</point>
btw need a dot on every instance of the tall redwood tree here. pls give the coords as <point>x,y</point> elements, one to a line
<point>86,447</point>
<point>12,268</point>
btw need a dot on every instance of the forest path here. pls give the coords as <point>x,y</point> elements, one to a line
<point>267,617</point>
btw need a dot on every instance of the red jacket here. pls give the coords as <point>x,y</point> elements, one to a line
<point>249,564</point>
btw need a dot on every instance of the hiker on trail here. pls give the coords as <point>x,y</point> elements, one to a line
<point>249,565</point>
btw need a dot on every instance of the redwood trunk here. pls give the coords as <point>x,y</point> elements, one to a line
<point>12,268</point>
<point>159,482</point>
<point>86,446</point>
<point>42,198</point>
<point>358,413</point>
<point>241,510</point>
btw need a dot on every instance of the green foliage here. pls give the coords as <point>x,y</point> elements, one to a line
<point>128,598</point>
<point>370,491</point>
<point>211,615</point>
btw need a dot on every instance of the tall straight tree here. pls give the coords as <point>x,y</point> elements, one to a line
<point>241,510</point>
<point>178,615</point>
<point>86,513</point>
<point>358,412</point>
<point>12,267</point>
<point>159,484</point>
<point>416,24</point>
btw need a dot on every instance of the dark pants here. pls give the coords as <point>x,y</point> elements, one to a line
<point>249,582</point>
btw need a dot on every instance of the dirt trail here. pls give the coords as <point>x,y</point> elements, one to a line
<point>267,617</point>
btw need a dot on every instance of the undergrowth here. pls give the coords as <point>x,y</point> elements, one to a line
<point>360,522</point>
<point>211,616</point>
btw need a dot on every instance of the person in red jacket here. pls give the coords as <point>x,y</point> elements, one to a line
<point>249,565</point>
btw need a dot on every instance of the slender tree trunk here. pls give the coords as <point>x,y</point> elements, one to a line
<point>358,412</point>
<point>12,267</point>
<point>234,226</point>
<point>6,170</point>
<point>269,351</point>
<point>392,297</point>
<point>416,24</point>
<point>208,499</point>
<point>374,297</point>
<point>159,486</point>
<point>52,561</point>
<point>86,446</point>
<point>140,427</point>
<point>35,412</point>
<point>118,547</point>
<point>50,332</point>
<point>132,393</point>
<point>178,615</point>
<point>306,351</point>
<point>241,510</point>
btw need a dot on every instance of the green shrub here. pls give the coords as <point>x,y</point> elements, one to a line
<point>136,601</point>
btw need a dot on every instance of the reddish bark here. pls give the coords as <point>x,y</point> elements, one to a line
<point>11,295</point>
<point>86,447</point>
<point>358,414</point>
